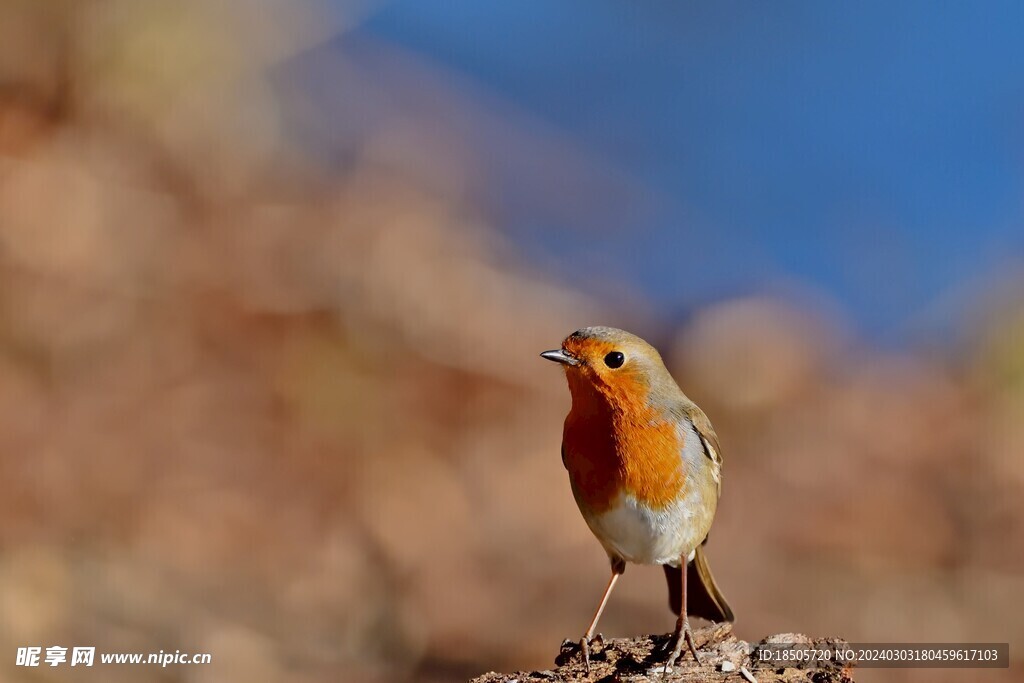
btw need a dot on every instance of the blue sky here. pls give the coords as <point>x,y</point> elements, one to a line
<point>871,150</point>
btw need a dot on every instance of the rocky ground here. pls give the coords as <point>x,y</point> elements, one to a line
<point>639,660</point>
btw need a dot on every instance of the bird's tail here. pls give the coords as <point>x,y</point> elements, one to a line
<point>703,597</point>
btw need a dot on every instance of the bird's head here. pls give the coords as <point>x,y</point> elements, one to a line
<point>612,364</point>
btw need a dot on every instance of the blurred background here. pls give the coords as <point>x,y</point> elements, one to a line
<point>274,276</point>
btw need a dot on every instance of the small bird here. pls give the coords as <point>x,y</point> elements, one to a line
<point>645,470</point>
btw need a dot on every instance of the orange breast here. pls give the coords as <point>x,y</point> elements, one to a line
<point>628,448</point>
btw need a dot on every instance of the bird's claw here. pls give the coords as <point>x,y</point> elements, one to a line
<point>692,646</point>
<point>585,648</point>
<point>684,634</point>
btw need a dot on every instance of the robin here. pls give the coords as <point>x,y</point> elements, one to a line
<point>645,470</point>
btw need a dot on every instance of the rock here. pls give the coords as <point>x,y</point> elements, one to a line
<point>642,660</point>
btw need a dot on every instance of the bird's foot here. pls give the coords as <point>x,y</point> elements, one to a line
<point>574,650</point>
<point>683,634</point>
<point>585,648</point>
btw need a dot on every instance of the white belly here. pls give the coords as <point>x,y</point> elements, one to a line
<point>641,535</point>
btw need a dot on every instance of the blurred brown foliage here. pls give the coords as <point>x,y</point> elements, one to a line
<point>292,415</point>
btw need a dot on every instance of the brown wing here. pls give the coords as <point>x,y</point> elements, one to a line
<point>708,439</point>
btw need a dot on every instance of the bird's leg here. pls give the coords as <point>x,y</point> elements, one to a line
<point>618,567</point>
<point>683,632</point>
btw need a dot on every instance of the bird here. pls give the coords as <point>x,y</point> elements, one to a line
<point>645,470</point>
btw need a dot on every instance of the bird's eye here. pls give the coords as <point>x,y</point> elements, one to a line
<point>615,359</point>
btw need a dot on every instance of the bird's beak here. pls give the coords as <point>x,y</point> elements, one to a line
<point>560,356</point>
